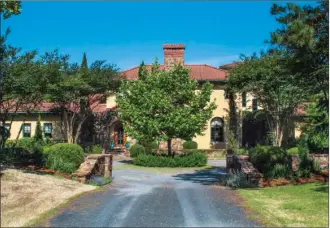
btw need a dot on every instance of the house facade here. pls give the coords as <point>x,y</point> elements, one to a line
<point>215,134</point>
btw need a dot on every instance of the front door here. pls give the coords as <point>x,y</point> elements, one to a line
<point>119,135</point>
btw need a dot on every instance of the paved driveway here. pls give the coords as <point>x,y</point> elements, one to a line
<point>146,199</point>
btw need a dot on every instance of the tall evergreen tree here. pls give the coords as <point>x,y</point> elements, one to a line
<point>38,132</point>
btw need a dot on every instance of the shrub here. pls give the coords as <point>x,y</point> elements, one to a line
<point>95,149</point>
<point>136,150</point>
<point>38,133</point>
<point>21,150</point>
<point>236,179</point>
<point>154,145</point>
<point>242,151</point>
<point>194,159</point>
<point>190,145</point>
<point>64,157</point>
<point>293,151</point>
<point>316,166</point>
<point>266,157</point>
<point>305,166</point>
<point>280,170</point>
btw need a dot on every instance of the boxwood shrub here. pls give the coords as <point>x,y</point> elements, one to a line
<point>190,145</point>
<point>64,157</point>
<point>136,150</point>
<point>194,159</point>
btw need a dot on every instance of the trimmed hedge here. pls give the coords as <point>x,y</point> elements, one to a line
<point>190,145</point>
<point>194,159</point>
<point>95,149</point>
<point>136,150</point>
<point>64,157</point>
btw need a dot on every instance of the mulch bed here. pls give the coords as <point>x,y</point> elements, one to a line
<point>43,170</point>
<point>323,177</point>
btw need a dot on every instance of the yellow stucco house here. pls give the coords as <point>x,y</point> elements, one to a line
<point>213,137</point>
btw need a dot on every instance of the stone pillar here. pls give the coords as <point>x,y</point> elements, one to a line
<point>108,166</point>
<point>294,162</point>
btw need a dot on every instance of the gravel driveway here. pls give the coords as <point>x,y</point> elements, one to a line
<point>142,198</point>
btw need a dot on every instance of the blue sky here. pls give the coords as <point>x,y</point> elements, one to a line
<point>125,33</point>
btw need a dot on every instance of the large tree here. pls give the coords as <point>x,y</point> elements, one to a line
<point>304,34</point>
<point>23,85</point>
<point>163,105</point>
<point>77,91</point>
<point>269,80</point>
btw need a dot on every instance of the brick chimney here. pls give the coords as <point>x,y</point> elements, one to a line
<point>173,53</point>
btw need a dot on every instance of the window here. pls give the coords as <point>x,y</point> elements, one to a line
<point>254,105</point>
<point>244,99</point>
<point>48,128</point>
<point>26,130</point>
<point>217,130</point>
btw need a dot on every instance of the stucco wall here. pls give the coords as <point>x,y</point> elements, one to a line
<point>218,95</point>
<point>111,101</point>
<point>32,119</point>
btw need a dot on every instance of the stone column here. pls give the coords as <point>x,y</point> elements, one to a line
<point>108,166</point>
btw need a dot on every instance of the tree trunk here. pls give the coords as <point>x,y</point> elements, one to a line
<point>278,134</point>
<point>169,147</point>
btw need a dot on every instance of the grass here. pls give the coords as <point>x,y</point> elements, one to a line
<point>290,206</point>
<point>26,196</point>
<point>159,170</point>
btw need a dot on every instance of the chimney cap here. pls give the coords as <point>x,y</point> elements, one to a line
<point>174,46</point>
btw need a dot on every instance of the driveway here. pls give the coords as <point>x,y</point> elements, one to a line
<point>146,199</point>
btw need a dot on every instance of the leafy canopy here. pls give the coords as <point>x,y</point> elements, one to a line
<point>163,105</point>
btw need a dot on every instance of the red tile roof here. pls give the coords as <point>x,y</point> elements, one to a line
<point>198,72</point>
<point>46,106</point>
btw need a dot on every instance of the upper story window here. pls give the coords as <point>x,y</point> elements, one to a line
<point>26,130</point>
<point>217,128</point>
<point>48,129</point>
<point>254,105</point>
<point>244,99</point>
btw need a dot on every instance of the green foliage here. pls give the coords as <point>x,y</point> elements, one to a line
<point>22,150</point>
<point>233,142</point>
<point>280,170</point>
<point>164,105</point>
<point>242,151</point>
<point>305,165</point>
<point>64,157</point>
<point>269,80</point>
<point>316,166</point>
<point>136,150</point>
<point>236,179</point>
<point>194,159</point>
<point>304,34</point>
<point>38,134</point>
<point>95,149</point>
<point>190,145</point>
<point>317,129</point>
<point>9,8</point>
<point>154,145</point>
<point>265,159</point>
<point>293,151</point>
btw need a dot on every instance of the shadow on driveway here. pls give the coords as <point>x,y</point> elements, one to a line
<point>209,176</point>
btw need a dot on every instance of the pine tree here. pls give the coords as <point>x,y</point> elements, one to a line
<point>38,133</point>
<point>84,64</point>
<point>142,71</point>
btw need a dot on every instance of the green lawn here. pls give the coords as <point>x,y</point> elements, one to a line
<point>292,205</point>
<point>159,170</point>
